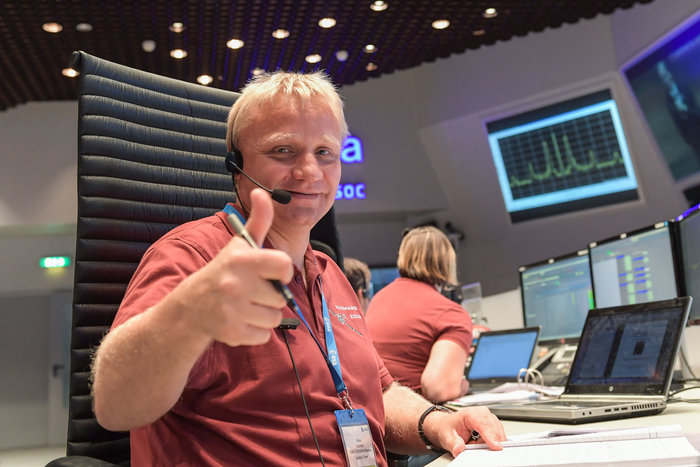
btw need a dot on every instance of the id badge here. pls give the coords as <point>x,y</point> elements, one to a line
<point>357,438</point>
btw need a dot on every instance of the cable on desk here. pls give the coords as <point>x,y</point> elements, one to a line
<point>672,398</point>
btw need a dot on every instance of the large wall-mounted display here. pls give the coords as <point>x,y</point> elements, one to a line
<point>665,80</point>
<point>563,157</point>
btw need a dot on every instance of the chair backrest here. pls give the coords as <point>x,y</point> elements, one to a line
<point>151,156</point>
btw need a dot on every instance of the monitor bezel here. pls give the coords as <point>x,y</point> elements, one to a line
<point>542,110</point>
<point>670,223</point>
<point>556,259</point>
<point>694,214</point>
<point>654,48</point>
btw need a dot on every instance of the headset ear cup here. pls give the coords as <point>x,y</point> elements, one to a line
<point>234,161</point>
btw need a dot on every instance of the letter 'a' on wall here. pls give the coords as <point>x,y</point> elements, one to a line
<point>351,153</point>
<point>352,150</point>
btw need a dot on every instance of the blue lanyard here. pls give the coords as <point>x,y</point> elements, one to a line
<point>331,357</point>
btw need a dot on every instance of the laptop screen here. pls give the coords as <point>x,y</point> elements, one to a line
<point>629,349</point>
<point>501,354</point>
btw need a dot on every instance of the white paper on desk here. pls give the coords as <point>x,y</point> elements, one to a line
<point>586,435</point>
<point>485,398</point>
<point>628,453</point>
<point>547,390</point>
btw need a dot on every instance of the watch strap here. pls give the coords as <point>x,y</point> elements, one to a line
<point>427,442</point>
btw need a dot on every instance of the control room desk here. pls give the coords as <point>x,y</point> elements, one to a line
<point>685,414</point>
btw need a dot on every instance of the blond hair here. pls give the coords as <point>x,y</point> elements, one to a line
<point>427,255</point>
<point>262,91</point>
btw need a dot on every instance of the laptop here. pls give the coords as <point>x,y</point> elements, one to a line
<point>622,368</point>
<point>499,356</point>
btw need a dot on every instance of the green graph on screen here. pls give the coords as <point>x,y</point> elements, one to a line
<point>569,154</point>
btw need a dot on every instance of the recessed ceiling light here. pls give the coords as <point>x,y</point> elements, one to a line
<point>52,27</point>
<point>280,34</point>
<point>177,27</point>
<point>370,48</point>
<point>371,66</point>
<point>69,72</point>
<point>83,27</point>
<point>313,58</point>
<point>379,5</point>
<point>235,44</point>
<point>479,32</point>
<point>204,79</point>
<point>441,23</point>
<point>148,45</point>
<point>326,22</point>
<point>178,53</point>
<point>490,13</point>
<point>258,71</point>
<point>341,55</point>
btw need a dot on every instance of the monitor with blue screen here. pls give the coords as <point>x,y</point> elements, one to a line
<point>500,355</point>
<point>556,295</point>
<point>665,80</point>
<point>382,276</point>
<point>635,267</point>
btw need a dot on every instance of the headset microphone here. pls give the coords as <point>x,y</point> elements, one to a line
<point>233,165</point>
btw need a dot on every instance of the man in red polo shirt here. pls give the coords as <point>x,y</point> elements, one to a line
<point>195,364</point>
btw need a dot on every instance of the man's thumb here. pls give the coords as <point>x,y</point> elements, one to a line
<point>261,215</point>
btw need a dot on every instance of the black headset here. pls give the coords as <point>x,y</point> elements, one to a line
<point>234,164</point>
<point>234,160</point>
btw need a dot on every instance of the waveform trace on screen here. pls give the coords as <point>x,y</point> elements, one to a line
<point>562,155</point>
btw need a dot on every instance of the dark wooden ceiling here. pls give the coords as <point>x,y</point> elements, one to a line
<point>31,59</point>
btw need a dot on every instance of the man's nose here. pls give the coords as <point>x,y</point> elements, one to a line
<point>307,167</point>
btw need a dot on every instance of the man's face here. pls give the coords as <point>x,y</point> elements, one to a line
<point>295,149</point>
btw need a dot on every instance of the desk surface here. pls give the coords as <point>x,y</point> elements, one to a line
<point>682,413</point>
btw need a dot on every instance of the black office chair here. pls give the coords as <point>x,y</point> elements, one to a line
<point>150,157</point>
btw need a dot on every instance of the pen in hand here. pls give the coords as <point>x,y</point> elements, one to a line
<point>238,227</point>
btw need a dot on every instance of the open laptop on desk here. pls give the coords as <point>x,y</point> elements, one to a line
<point>499,356</point>
<point>623,366</point>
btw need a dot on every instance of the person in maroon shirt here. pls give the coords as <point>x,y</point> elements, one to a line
<point>422,336</point>
<point>196,366</point>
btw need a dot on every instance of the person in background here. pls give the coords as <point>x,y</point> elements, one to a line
<point>422,336</point>
<point>360,277</point>
<point>196,364</point>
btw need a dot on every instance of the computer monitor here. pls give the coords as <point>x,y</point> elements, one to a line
<point>556,295</point>
<point>689,236</point>
<point>665,81</point>
<point>562,157</point>
<point>382,276</point>
<point>635,267</point>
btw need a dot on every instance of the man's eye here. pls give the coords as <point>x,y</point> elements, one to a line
<point>326,153</point>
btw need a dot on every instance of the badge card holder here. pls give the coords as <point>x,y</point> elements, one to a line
<point>357,437</point>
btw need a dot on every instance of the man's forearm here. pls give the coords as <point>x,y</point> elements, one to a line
<point>140,370</point>
<point>403,408</point>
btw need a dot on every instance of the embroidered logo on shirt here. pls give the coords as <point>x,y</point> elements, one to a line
<point>343,320</point>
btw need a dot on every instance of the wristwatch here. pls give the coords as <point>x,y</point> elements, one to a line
<point>427,442</point>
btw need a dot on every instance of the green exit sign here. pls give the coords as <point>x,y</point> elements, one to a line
<point>54,262</point>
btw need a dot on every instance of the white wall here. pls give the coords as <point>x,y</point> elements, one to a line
<point>447,102</point>
<point>39,165</point>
